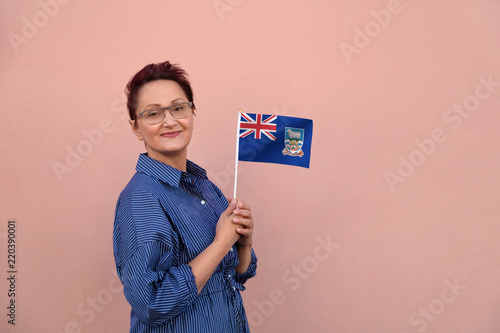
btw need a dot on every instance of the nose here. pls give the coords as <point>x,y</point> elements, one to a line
<point>169,121</point>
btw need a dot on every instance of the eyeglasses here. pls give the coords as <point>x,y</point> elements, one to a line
<point>156,115</point>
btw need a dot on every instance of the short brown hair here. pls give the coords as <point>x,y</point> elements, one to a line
<point>160,71</point>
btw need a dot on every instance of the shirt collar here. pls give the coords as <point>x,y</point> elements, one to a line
<point>167,173</point>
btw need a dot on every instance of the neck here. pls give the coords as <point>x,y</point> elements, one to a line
<point>178,160</point>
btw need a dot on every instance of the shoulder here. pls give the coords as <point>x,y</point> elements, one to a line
<point>143,201</point>
<point>140,213</point>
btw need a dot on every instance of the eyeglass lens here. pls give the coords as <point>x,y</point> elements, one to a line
<point>156,115</point>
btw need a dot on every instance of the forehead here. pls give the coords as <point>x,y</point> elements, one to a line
<point>162,92</point>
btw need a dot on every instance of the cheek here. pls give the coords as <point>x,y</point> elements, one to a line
<point>189,125</point>
<point>149,132</point>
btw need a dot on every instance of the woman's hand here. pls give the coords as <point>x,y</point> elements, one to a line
<point>225,232</point>
<point>244,221</point>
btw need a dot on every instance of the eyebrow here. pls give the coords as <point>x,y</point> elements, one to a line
<point>156,105</point>
<point>177,99</point>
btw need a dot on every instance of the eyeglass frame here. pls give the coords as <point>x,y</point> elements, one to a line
<point>164,109</point>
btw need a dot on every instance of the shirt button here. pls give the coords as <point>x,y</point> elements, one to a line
<point>234,288</point>
<point>229,276</point>
<point>202,202</point>
<point>231,249</point>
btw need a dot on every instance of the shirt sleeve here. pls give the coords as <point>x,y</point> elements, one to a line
<point>157,287</point>
<point>156,290</point>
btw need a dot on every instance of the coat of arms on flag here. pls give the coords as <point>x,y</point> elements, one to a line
<point>294,140</point>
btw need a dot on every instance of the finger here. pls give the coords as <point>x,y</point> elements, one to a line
<point>230,209</point>
<point>244,232</point>
<point>243,205</point>
<point>243,222</point>
<point>242,219</point>
<point>243,213</point>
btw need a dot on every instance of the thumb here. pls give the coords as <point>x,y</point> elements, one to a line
<point>229,210</point>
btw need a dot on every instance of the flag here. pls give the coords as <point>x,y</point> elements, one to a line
<point>274,139</point>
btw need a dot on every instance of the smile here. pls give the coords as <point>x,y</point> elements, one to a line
<point>171,134</point>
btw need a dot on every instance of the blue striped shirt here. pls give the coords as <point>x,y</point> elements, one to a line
<point>164,218</point>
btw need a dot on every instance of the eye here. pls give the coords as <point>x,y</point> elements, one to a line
<point>180,107</point>
<point>153,114</point>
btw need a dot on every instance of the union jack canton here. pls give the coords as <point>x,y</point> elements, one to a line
<point>257,126</point>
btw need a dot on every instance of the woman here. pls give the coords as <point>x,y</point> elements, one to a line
<point>182,251</point>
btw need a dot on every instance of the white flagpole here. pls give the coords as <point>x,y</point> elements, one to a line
<point>237,152</point>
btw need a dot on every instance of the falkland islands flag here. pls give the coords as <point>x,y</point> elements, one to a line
<point>275,139</point>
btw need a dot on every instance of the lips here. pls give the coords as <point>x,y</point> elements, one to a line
<point>170,134</point>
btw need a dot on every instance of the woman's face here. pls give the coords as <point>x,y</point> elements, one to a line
<point>166,141</point>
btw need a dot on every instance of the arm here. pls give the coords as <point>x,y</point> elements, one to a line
<point>225,236</point>
<point>156,290</point>
<point>244,219</point>
<point>156,287</point>
<point>245,256</point>
<point>235,225</point>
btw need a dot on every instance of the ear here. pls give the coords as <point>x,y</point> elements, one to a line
<point>135,129</point>
<point>194,116</point>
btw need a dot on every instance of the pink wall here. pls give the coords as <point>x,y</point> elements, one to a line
<point>394,228</point>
